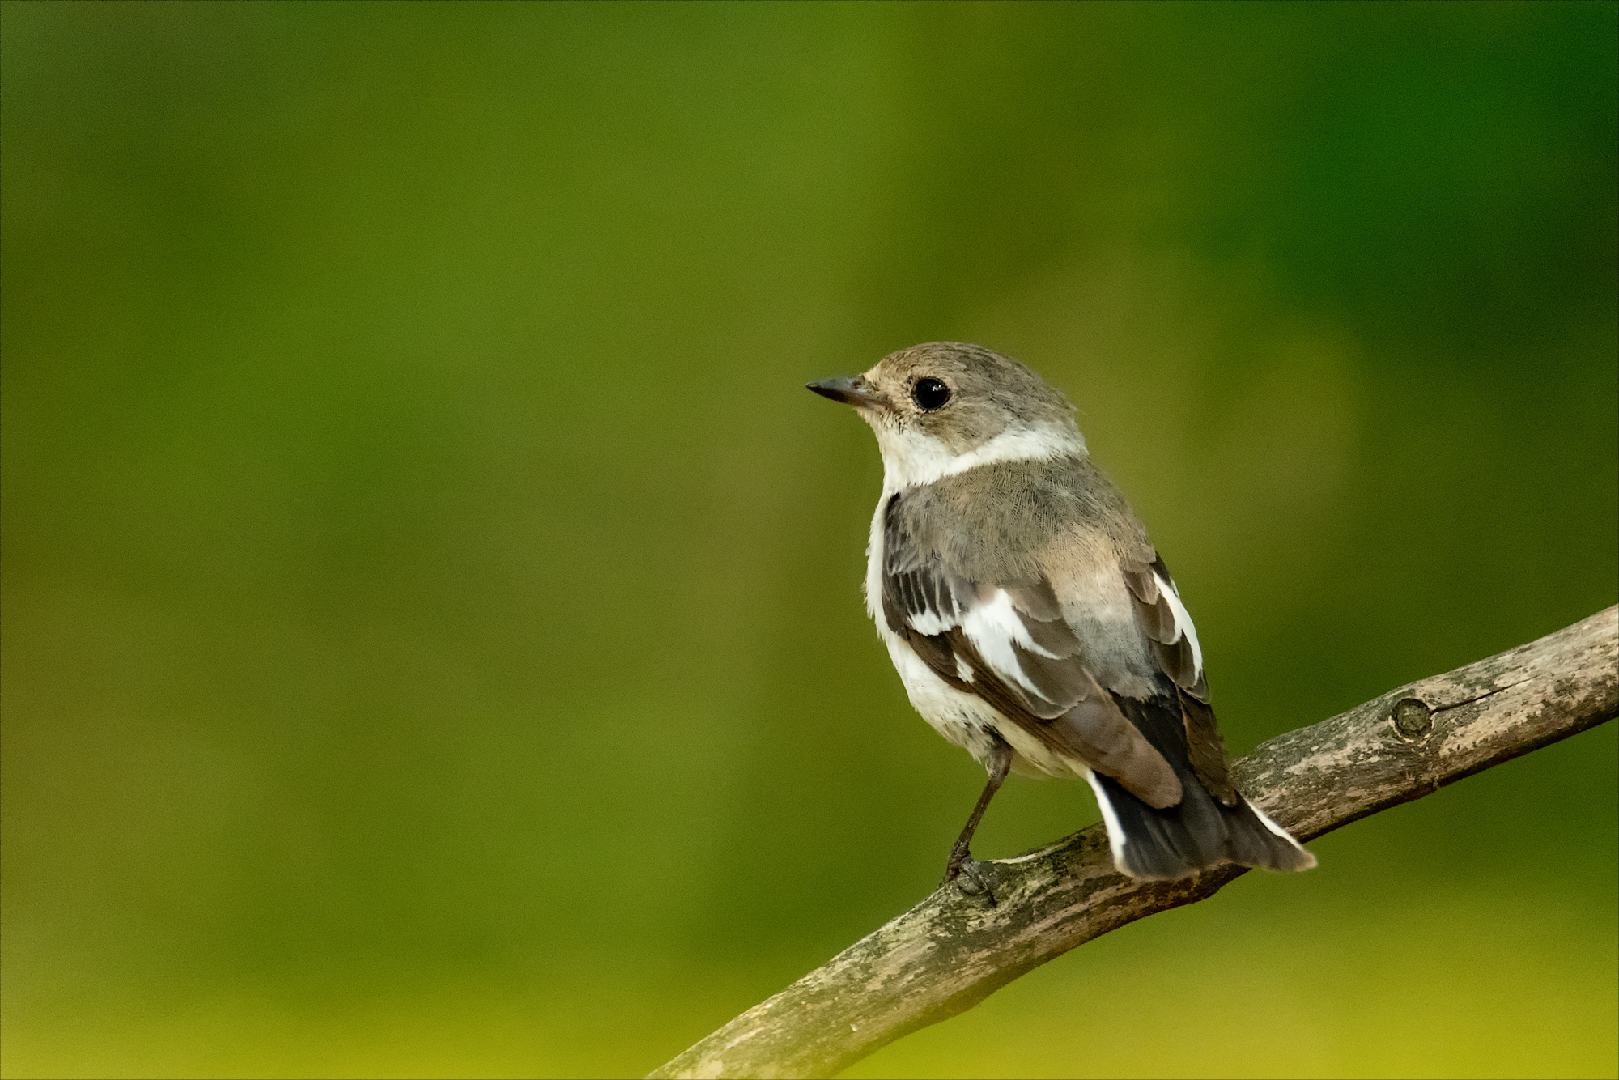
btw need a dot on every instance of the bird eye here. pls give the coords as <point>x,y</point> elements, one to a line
<point>930,393</point>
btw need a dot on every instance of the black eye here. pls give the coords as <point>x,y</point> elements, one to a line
<point>930,393</point>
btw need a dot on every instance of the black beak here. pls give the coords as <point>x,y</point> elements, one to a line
<point>856,391</point>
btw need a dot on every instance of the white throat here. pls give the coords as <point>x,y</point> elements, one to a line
<point>912,457</point>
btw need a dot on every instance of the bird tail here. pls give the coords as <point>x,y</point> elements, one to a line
<point>1196,833</point>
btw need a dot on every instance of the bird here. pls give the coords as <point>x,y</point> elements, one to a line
<point>1031,619</point>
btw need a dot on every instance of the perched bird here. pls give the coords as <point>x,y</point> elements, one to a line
<point>1032,621</point>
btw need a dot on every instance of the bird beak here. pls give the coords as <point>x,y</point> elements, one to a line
<point>856,391</point>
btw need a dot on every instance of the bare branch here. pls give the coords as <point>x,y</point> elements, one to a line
<point>953,950</point>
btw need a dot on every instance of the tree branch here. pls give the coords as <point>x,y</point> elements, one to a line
<point>952,950</point>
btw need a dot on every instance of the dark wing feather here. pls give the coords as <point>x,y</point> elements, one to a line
<point>1207,749</point>
<point>1170,631</point>
<point>1171,634</point>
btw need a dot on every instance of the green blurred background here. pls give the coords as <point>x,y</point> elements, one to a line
<point>432,631</point>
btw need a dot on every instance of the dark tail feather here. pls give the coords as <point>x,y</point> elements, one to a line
<point>1196,833</point>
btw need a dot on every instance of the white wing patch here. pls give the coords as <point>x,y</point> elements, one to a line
<point>933,623</point>
<point>994,628</point>
<point>1183,622</point>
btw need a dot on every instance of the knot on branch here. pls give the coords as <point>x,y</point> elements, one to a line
<point>1412,717</point>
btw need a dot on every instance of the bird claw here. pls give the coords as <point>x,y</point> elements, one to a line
<point>968,874</point>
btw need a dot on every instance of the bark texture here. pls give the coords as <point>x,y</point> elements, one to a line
<point>952,950</point>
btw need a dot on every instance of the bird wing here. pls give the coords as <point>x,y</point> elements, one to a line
<point>1163,618</point>
<point>1168,625</point>
<point>1007,642</point>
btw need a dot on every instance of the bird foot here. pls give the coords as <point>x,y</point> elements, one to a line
<point>969,875</point>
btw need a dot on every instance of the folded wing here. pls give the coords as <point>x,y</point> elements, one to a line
<point>1168,625</point>
<point>1008,643</point>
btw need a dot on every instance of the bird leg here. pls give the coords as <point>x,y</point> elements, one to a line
<point>961,860</point>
